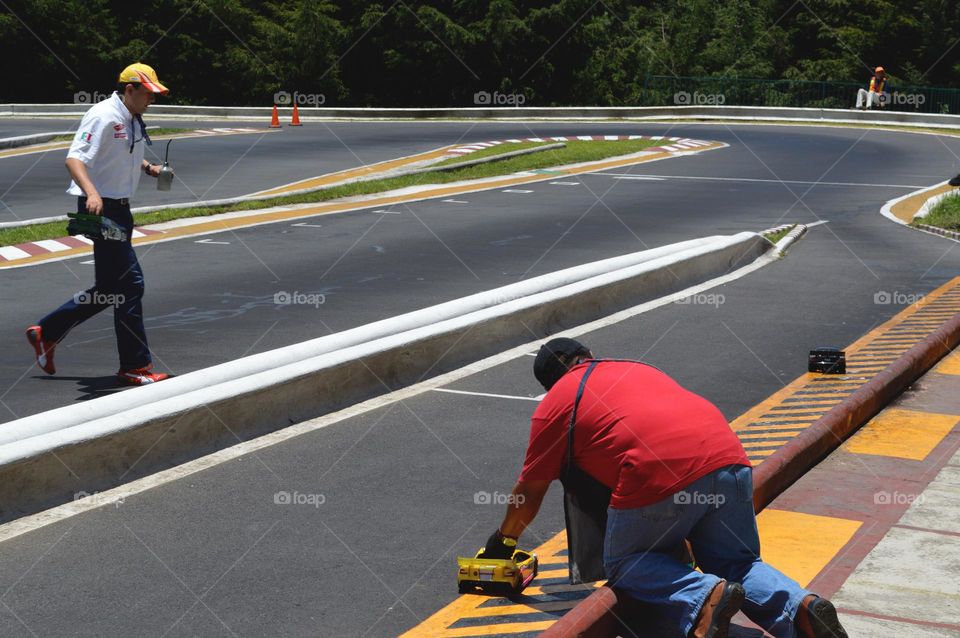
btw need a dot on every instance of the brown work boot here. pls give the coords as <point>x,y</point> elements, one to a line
<point>817,618</point>
<point>721,605</point>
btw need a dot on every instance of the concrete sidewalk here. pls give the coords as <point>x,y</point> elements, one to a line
<point>876,526</point>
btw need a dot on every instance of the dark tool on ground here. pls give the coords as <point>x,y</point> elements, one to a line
<point>827,361</point>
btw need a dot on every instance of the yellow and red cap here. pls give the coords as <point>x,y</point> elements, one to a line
<point>145,75</point>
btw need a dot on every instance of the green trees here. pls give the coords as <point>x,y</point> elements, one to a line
<point>442,52</point>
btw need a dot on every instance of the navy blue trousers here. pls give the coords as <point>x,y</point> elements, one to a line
<point>119,284</point>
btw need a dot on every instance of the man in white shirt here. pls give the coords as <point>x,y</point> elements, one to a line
<point>105,162</point>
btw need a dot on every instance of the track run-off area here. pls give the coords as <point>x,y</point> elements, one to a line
<point>205,548</point>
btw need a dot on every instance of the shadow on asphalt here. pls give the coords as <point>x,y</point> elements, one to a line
<point>90,387</point>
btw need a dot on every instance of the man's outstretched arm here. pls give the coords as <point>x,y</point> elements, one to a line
<point>523,507</point>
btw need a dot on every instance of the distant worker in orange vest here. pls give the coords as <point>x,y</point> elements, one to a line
<point>867,99</point>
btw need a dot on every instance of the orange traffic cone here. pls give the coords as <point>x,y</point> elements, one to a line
<point>275,120</point>
<point>295,121</point>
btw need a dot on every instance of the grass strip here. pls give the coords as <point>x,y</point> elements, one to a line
<point>780,234</point>
<point>946,214</point>
<point>575,152</point>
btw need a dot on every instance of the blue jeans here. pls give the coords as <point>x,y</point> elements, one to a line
<point>715,513</point>
<point>119,284</point>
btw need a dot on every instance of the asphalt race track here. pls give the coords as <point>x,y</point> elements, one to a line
<point>207,303</point>
<point>212,554</point>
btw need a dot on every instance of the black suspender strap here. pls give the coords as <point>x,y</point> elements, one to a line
<point>573,416</point>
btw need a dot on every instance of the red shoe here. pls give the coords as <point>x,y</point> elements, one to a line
<point>44,349</point>
<point>140,376</point>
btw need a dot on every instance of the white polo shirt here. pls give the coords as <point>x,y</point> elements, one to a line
<point>103,144</point>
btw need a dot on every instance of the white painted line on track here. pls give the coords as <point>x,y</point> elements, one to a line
<point>565,183</point>
<point>90,262</point>
<point>306,225</point>
<point>822,221</point>
<point>454,201</point>
<point>486,394</point>
<point>36,521</point>
<point>516,190</point>
<point>640,177</point>
<point>388,212</point>
<point>748,179</point>
<point>210,241</point>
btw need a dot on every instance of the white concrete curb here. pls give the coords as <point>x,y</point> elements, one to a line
<point>27,140</point>
<point>48,457</point>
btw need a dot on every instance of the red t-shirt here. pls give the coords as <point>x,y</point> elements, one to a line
<point>638,432</point>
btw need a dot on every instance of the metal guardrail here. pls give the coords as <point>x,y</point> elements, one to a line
<point>750,113</point>
<point>720,91</point>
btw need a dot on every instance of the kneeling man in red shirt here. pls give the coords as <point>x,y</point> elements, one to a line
<point>676,472</point>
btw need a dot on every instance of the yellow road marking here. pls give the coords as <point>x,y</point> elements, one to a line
<point>807,381</point>
<point>905,434</point>
<point>505,610</point>
<point>905,210</point>
<point>487,630</point>
<point>785,541</point>
<point>283,214</point>
<point>949,365</point>
<point>360,171</point>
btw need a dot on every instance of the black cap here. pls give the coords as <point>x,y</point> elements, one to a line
<point>955,181</point>
<point>548,366</point>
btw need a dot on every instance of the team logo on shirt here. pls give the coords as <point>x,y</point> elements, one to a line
<point>118,127</point>
<point>83,136</point>
<point>119,132</point>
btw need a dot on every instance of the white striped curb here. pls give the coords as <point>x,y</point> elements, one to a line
<point>46,246</point>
